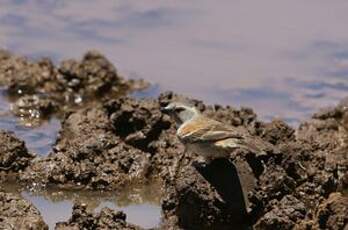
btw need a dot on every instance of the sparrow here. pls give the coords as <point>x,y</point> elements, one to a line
<point>207,137</point>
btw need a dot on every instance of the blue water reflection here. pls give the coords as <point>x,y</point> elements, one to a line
<point>146,215</point>
<point>285,59</point>
<point>37,139</point>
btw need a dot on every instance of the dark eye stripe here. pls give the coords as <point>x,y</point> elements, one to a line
<point>179,109</point>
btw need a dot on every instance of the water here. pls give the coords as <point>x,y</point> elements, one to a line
<point>141,204</point>
<point>285,59</point>
<point>38,139</point>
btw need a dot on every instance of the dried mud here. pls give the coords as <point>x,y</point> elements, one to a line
<point>300,180</point>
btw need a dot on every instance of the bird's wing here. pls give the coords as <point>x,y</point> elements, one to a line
<point>203,129</point>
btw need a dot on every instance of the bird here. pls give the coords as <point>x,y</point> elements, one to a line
<point>207,137</point>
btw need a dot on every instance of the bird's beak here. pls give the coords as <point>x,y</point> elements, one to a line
<point>166,110</point>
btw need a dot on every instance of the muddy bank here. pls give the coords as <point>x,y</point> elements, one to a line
<point>17,213</point>
<point>292,182</point>
<point>39,88</point>
<point>118,143</point>
<point>296,182</point>
<point>105,219</point>
<point>109,146</point>
<point>129,141</point>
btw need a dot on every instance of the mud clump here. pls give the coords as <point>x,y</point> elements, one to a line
<point>105,219</point>
<point>140,123</point>
<point>108,146</point>
<point>17,213</point>
<point>333,213</point>
<point>284,213</point>
<point>277,131</point>
<point>122,142</point>
<point>310,166</point>
<point>72,84</point>
<point>88,154</point>
<point>14,155</point>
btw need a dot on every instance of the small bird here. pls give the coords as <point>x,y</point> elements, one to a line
<point>207,137</point>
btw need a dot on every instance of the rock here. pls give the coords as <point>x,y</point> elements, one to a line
<point>106,219</point>
<point>17,213</point>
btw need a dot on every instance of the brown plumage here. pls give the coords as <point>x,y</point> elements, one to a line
<point>210,138</point>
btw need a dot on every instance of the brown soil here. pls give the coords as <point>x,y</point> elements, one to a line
<point>105,219</point>
<point>297,182</point>
<point>17,213</point>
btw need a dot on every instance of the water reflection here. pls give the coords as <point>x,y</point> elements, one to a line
<point>141,204</point>
<point>37,139</point>
<point>261,54</point>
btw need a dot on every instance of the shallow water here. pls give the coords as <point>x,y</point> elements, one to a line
<point>38,139</point>
<point>141,204</point>
<point>283,58</point>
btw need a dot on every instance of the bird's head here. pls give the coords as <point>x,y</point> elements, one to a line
<point>181,112</point>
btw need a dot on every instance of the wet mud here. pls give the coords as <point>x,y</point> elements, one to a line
<point>105,219</point>
<point>39,88</point>
<point>14,157</point>
<point>109,141</point>
<point>17,213</point>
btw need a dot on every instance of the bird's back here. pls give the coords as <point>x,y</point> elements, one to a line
<point>203,130</point>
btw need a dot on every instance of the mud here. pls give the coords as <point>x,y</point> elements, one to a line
<point>14,156</point>
<point>106,219</point>
<point>40,88</point>
<point>106,147</point>
<point>293,180</point>
<point>17,213</point>
<point>299,180</point>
